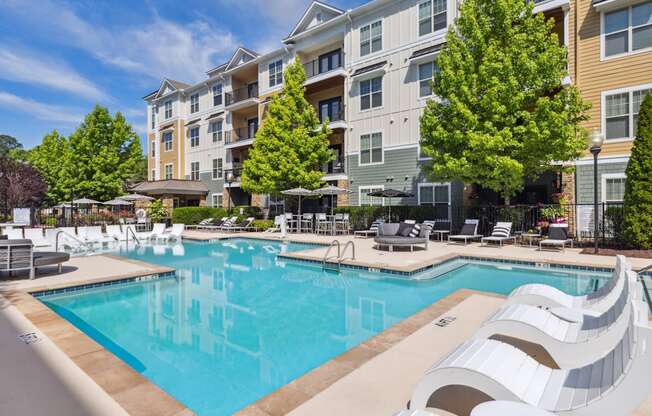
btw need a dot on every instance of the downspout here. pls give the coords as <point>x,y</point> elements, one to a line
<point>347,88</point>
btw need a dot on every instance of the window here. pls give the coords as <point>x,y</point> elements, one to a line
<point>613,187</point>
<point>426,72</point>
<point>194,137</point>
<point>168,109</point>
<point>217,95</point>
<point>168,171</point>
<point>194,171</point>
<point>276,73</point>
<point>371,93</point>
<point>153,174</point>
<point>365,199</point>
<point>330,61</point>
<point>331,109</point>
<point>436,195</point>
<point>371,148</point>
<point>432,16</point>
<point>621,113</point>
<point>371,38</point>
<point>167,141</point>
<point>194,103</point>
<point>153,146</point>
<point>217,169</point>
<point>216,131</point>
<point>217,200</point>
<point>153,117</point>
<point>627,30</point>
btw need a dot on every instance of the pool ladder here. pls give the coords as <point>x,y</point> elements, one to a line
<point>341,254</point>
<point>646,290</point>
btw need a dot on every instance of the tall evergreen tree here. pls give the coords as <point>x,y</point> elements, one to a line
<point>291,146</point>
<point>638,187</point>
<point>501,114</point>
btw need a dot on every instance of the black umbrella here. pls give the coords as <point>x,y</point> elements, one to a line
<point>391,193</point>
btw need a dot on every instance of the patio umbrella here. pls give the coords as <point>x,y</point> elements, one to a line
<point>332,191</point>
<point>136,197</point>
<point>86,201</point>
<point>390,193</point>
<point>300,192</point>
<point>118,202</point>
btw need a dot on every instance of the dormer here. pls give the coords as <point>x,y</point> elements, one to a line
<point>317,14</point>
<point>169,86</point>
<point>240,57</point>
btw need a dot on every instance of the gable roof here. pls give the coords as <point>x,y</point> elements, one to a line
<point>173,84</point>
<point>311,13</point>
<point>238,54</point>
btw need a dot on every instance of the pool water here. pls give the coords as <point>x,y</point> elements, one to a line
<point>237,322</point>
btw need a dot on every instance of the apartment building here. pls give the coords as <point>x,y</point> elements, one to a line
<point>368,72</point>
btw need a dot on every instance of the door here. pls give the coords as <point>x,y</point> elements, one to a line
<point>252,90</point>
<point>330,109</point>
<point>330,61</point>
<point>252,127</point>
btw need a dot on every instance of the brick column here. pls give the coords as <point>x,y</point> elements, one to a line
<point>343,199</point>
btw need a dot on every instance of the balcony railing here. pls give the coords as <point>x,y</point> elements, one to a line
<point>313,68</point>
<point>239,135</point>
<point>333,117</point>
<point>234,174</point>
<point>335,166</point>
<point>241,94</point>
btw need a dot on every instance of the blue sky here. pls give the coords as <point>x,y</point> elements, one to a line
<point>59,58</point>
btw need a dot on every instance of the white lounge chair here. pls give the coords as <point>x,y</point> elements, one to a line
<point>557,237</point>
<point>202,223</point>
<point>488,369</point>
<point>245,225</point>
<point>278,220</point>
<point>552,298</point>
<point>158,229</point>
<point>174,234</point>
<point>570,344</point>
<point>229,223</point>
<point>468,232</point>
<point>502,232</point>
<point>115,231</point>
<point>94,235</point>
<point>36,235</point>
<point>214,225</point>
<point>14,233</point>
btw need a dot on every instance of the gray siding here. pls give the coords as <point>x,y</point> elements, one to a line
<point>214,187</point>
<point>401,170</point>
<point>584,179</point>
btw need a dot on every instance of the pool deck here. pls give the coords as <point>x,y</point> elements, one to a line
<point>74,375</point>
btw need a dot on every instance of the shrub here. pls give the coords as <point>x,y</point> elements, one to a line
<point>263,225</point>
<point>247,211</point>
<point>194,215</point>
<point>638,193</point>
<point>157,211</point>
<point>614,223</point>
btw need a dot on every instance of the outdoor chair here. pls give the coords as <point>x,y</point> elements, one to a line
<point>438,228</point>
<point>278,221</point>
<point>292,222</point>
<point>306,223</point>
<point>245,225</point>
<point>230,222</point>
<point>94,236</point>
<point>14,233</point>
<point>342,223</point>
<point>323,225</point>
<point>173,234</point>
<point>557,237</point>
<point>37,238</point>
<point>158,229</point>
<point>468,233</point>
<point>372,231</point>
<point>214,225</point>
<point>204,222</point>
<point>502,232</point>
<point>402,235</point>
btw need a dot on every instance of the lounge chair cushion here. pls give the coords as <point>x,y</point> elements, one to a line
<point>558,233</point>
<point>468,229</point>
<point>404,229</point>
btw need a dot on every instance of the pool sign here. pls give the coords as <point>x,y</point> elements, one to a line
<point>22,216</point>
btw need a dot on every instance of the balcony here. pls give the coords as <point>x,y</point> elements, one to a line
<point>336,120</point>
<point>334,169</point>
<point>233,176</point>
<point>242,97</point>
<point>239,137</point>
<point>327,67</point>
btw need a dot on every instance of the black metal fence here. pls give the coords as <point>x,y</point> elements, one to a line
<point>79,216</point>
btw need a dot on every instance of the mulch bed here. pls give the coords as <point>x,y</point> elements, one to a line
<point>643,254</point>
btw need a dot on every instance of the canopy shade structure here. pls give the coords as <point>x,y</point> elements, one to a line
<point>332,191</point>
<point>136,197</point>
<point>86,201</point>
<point>300,192</point>
<point>390,193</point>
<point>118,202</point>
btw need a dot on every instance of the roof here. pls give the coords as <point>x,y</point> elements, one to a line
<point>178,84</point>
<point>310,13</point>
<point>171,186</point>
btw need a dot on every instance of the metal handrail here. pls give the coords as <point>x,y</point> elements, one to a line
<point>645,269</point>
<point>74,238</point>
<point>646,291</point>
<point>127,237</point>
<point>326,257</point>
<point>346,246</point>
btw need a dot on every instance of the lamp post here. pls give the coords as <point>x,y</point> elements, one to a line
<point>4,196</point>
<point>597,139</point>
<point>229,180</point>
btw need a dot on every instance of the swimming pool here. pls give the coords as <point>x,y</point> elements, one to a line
<point>237,322</point>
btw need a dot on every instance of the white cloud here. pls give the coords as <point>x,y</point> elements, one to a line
<point>156,48</point>
<point>284,14</point>
<point>40,110</point>
<point>24,66</point>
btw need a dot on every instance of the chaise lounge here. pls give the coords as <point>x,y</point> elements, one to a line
<point>402,235</point>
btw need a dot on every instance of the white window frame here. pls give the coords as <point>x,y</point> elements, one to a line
<point>219,168</point>
<point>165,171</point>
<point>433,185</point>
<point>153,149</point>
<point>194,103</point>
<point>382,149</point>
<point>168,109</point>
<point>153,174</point>
<point>365,189</point>
<point>604,177</point>
<point>153,119</point>
<point>630,30</point>
<point>165,143</point>
<point>371,40</point>
<point>217,134</point>
<point>432,19</point>
<point>194,139</point>
<point>603,111</point>
<point>214,200</point>
<point>371,93</point>
<point>419,80</point>
<point>218,87</point>
<point>192,171</point>
<point>274,80</point>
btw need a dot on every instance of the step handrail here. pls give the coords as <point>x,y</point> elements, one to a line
<point>348,244</point>
<point>127,237</point>
<point>72,237</point>
<point>645,269</point>
<point>646,291</point>
<point>334,243</point>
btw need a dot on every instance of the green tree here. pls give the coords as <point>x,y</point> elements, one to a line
<point>638,192</point>
<point>291,146</point>
<point>95,161</point>
<point>8,144</point>
<point>502,114</point>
